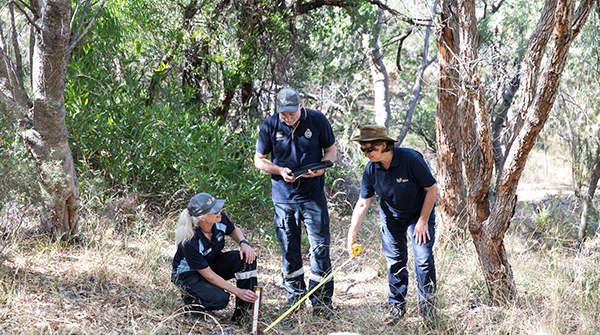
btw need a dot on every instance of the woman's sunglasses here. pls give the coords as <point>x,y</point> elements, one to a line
<point>367,149</point>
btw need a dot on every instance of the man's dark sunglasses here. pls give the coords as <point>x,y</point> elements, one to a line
<point>367,149</point>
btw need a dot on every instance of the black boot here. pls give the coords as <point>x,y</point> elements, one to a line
<point>241,315</point>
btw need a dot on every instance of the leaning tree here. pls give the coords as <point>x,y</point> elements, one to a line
<point>539,81</point>
<point>53,35</point>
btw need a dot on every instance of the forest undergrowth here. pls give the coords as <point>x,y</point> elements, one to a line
<point>115,280</point>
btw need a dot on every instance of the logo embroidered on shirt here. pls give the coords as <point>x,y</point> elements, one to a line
<point>400,180</point>
<point>279,136</point>
<point>308,133</point>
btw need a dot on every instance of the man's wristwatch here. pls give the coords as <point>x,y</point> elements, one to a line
<point>244,241</point>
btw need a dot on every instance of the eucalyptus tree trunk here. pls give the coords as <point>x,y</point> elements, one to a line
<point>418,85</point>
<point>537,94</point>
<point>381,81</point>
<point>449,153</point>
<point>587,200</point>
<point>477,144</point>
<point>48,138</point>
<point>51,43</point>
<point>499,120</point>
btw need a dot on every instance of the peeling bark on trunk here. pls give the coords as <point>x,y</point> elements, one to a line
<point>530,70</point>
<point>537,96</point>
<point>476,137</point>
<point>449,166</point>
<point>48,139</point>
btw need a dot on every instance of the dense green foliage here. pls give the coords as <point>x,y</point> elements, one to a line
<point>142,94</point>
<point>17,173</point>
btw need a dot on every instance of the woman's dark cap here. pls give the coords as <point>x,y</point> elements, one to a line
<point>204,203</point>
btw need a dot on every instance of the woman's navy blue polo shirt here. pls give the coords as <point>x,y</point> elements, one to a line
<point>292,148</point>
<point>199,253</point>
<point>401,187</point>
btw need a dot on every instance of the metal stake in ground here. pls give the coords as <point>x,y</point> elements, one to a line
<point>256,311</point>
<point>356,250</point>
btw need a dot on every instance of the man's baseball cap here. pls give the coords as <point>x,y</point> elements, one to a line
<point>204,203</point>
<point>288,100</point>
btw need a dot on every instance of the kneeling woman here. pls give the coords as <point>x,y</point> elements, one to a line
<point>201,270</point>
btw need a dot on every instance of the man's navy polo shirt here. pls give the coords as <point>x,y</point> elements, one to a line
<point>199,253</point>
<point>401,187</point>
<point>292,148</point>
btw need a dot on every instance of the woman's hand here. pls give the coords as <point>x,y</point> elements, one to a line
<point>248,252</point>
<point>421,233</point>
<point>351,241</point>
<point>246,295</point>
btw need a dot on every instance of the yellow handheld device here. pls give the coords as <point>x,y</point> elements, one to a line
<point>356,249</point>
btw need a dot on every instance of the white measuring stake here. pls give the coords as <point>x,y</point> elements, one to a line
<point>258,291</point>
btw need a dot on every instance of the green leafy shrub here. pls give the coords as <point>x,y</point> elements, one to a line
<point>160,150</point>
<point>17,172</point>
<point>19,187</point>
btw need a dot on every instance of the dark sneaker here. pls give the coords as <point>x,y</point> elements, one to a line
<point>241,317</point>
<point>326,312</point>
<point>396,314</point>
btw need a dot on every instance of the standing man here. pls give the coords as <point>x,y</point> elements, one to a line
<point>296,136</point>
<point>407,192</point>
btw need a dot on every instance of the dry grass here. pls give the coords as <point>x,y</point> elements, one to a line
<point>116,281</point>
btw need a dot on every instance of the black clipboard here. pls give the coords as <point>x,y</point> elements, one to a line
<point>301,170</point>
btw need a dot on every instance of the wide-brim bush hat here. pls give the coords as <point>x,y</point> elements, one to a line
<point>204,203</point>
<point>372,132</point>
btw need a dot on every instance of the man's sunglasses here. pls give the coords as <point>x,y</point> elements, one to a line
<point>367,149</point>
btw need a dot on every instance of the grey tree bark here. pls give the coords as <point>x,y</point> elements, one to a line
<point>45,132</point>
<point>379,75</point>
<point>48,138</point>
<point>587,200</point>
<point>418,85</point>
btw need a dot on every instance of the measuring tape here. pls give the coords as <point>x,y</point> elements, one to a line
<point>356,250</point>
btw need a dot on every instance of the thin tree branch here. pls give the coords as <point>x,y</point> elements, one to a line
<point>26,5</point>
<point>74,15</point>
<point>413,21</point>
<point>582,14</point>
<point>417,87</point>
<point>77,39</point>
<point>16,47</point>
<point>29,19</point>
<point>400,43</point>
<point>496,6</point>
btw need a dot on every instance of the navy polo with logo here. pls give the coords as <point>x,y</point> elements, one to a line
<point>200,252</point>
<point>292,148</point>
<point>401,187</point>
